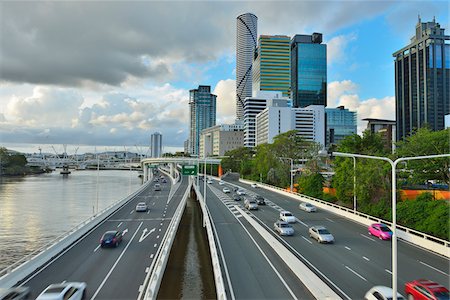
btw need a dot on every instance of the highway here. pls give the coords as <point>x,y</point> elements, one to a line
<point>251,268</point>
<point>116,273</point>
<point>356,261</point>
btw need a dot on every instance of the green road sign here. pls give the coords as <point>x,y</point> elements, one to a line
<point>189,170</point>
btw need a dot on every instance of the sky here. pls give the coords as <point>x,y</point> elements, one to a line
<point>111,73</point>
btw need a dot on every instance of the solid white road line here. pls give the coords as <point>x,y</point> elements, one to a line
<point>388,271</point>
<point>115,264</point>
<point>442,272</point>
<point>348,248</point>
<point>96,248</point>
<point>366,258</point>
<point>330,220</point>
<point>306,240</point>
<point>369,238</point>
<point>355,273</point>
<point>119,224</point>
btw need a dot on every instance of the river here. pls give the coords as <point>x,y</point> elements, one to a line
<point>34,210</point>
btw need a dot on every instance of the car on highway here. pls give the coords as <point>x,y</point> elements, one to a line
<point>380,231</point>
<point>426,289</point>
<point>163,180</point>
<point>240,192</point>
<point>15,293</point>
<point>254,185</point>
<point>209,181</point>
<point>321,234</point>
<point>111,238</point>
<point>226,190</point>
<point>380,292</point>
<point>155,180</point>
<point>308,207</point>
<point>260,200</point>
<point>283,228</point>
<point>141,206</point>
<point>221,182</point>
<point>287,216</point>
<point>250,204</point>
<point>236,197</point>
<point>64,291</point>
<point>157,187</point>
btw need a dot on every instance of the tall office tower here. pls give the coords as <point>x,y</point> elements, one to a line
<point>340,123</point>
<point>246,35</point>
<point>271,64</point>
<point>422,80</point>
<point>202,107</point>
<point>156,144</point>
<point>308,70</point>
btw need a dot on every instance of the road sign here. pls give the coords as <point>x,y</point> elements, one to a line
<point>189,170</point>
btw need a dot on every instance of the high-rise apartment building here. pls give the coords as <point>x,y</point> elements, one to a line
<point>271,64</point>
<point>308,70</point>
<point>341,122</point>
<point>422,80</point>
<point>156,144</point>
<point>202,107</point>
<point>246,38</point>
<point>386,129</point>
<point>217,140</point>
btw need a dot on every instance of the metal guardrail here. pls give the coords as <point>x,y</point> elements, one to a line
<point>218,277</point>
<point>428,241</point>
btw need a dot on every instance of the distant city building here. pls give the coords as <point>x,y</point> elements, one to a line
<point>246,36</point>
<point>422,80</point>
<point>202,107</point>
<point>278,117</point>
<point>271,64</point>
<point>340,123</point>
<point>186,147</point>
<point>386,128</point>
<point>308,70</point>
<point>217,140</point>
<point>156,144</point>
<point>447,121</point>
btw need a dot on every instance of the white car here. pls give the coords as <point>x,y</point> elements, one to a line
<point>381,292</point>
<point>307,207</point>
<point>141,206</point>
<point>286,216</point>
<point>63,291</point>
<point>250,204</point>
<point>226,190</point>
<point>209,181</point>
<point>254,185</point>
<point>240,192</point>
<point>221,182</point>
<point>283,228</point>
<point>321,234</point>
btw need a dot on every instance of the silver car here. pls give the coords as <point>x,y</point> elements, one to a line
<point>64,290</point>
<point>283,228</point>
<point>226,190</point>
<point>240,192</point>
<point>250,204</point>
<point>141,206</point>
<point>321,234</point>
<point>308,207</point>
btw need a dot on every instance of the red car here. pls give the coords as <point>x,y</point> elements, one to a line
<point>381,231</point>
<point>425,289</point>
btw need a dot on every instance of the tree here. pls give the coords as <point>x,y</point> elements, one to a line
<point>236,158</point>
<point>426,142</point>
<point>311,185</point>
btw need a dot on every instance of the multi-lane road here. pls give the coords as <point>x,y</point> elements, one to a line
<point>351,266</point>
<point>116,273</point>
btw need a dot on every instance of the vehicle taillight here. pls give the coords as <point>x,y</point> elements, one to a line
<point>114,240</point>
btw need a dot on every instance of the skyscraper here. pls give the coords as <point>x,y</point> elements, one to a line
<point>422,76</point>
<point>340,123</point>
<point>202,108</point>
<point>271,64</point>
<point>246,35</point>
<point>156,144</point>
<point>308,70</point>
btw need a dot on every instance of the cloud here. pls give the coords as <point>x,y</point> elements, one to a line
<point>226,101</point>
<point>343,93</point>
<point>337,47</point>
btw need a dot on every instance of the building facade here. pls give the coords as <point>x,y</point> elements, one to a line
<point>422,80</point>
<point>340,122</point>
<point>246,39</point>
<point>217,140</point>
<point>202,108</point>
<point>271,65</point>
<point>308,70</point>
<point>386,128</point>
<point>156,145</point>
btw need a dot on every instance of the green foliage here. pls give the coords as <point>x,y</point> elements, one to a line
<point>426,142</point>
<point>311,185</point>
<point>236,159</point>
<point>12,163</point>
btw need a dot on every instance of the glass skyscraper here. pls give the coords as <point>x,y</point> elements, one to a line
<point>340,122</point>
<point>308,70</point>
<point>156,144</point>
<point>202,108</point>
<point>422,80</point>
<point>271,65</point>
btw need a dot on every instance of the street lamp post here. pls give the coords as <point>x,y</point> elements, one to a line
<point>394,203</point>
<point>290,172</point>
<point>204,193</point>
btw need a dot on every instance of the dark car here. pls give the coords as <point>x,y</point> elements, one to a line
<point>260,200</point>
<point>236,197</point>
<point>111,239</point>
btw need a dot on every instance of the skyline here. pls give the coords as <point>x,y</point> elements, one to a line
<point>114,79</point>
